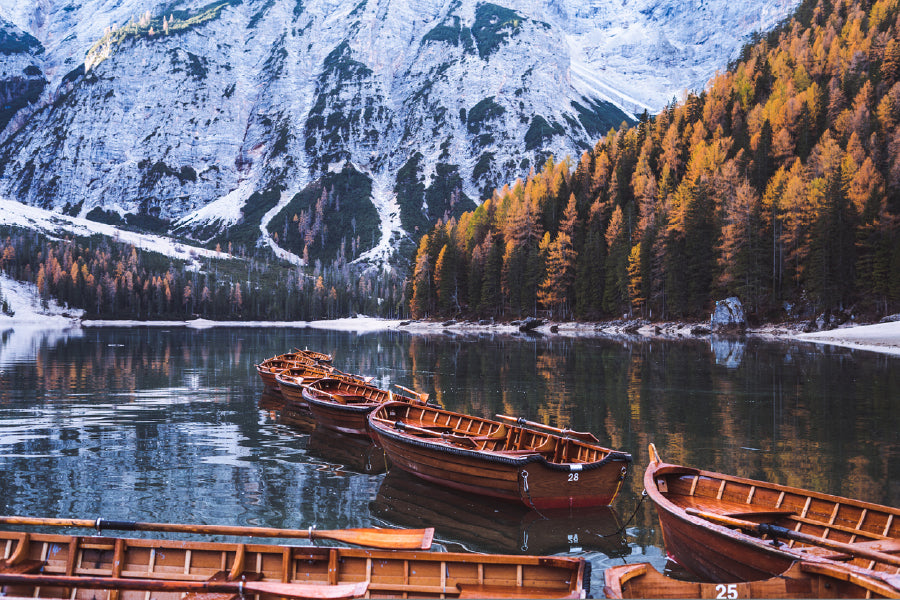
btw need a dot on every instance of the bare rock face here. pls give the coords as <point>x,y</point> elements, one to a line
<point>728,316</point>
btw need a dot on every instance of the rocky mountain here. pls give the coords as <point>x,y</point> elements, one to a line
<point>328,129</point>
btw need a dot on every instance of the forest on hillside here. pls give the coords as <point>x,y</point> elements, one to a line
<point>115,280</point>
<point>779,183</point>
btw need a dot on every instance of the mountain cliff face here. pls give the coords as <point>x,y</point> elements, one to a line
<point>328,129</point>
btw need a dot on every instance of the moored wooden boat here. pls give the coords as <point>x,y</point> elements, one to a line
<point>320,357</point>
<point>270,367</point>
<point>76,567</point>
<point>728,529</point>
<point>344,405</point>
<point>801,580</point>
<point>293,380</point>
<point>515,460</point>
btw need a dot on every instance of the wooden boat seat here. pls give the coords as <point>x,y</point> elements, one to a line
<point>505,591</point>
<point>499,434</point>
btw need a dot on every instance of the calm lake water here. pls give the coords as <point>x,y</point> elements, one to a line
<point>156,424</point>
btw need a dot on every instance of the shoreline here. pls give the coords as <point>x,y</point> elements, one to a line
<point>879,337</point>
<point>883,338</point>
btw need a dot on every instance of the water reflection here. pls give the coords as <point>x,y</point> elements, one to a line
<point>172,424</point>
<point>729,350</point>
<point>481,524</point>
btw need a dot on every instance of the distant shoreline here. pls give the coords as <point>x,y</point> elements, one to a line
<point>880,337</point>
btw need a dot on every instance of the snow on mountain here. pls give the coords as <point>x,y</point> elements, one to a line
<point>54,225</point>
<point>201,116</point>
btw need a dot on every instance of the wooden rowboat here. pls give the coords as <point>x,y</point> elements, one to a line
<point>293,380</point>
<point>41,565</point>
<point>319,357</point>
<point>801,580</point>
<point>344,405</point>
<point>270,367</point>
<point>515,460</point>
<point>729,529</point>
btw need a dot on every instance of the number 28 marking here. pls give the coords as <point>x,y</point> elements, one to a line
<point>728,592</point>
<point>573,476</point>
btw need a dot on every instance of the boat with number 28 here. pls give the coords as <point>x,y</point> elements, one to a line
<point>511,459</point>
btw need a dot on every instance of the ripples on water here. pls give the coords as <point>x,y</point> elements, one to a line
<point>172,425</point>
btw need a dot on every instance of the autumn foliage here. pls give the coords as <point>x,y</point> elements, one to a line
<point>780,183</point>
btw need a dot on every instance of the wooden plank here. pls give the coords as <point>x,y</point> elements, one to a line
<point>849,530</point>
<point>118,565</point>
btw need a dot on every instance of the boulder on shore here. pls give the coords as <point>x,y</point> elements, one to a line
<point>530,323</point>
<point>728,316</point>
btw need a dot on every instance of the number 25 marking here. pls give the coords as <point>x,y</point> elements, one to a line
<point>573,476</point>
<point>728,592</point>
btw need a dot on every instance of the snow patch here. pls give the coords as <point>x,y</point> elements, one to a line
<point>56,224</point>
<point>385,202</point>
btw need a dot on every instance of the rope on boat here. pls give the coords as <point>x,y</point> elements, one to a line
<point>528,493</point>
<point>631,518</point>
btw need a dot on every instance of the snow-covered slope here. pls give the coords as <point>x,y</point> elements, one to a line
<point>203,115</point>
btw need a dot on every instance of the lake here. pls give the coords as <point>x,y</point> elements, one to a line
<point>173,424</point>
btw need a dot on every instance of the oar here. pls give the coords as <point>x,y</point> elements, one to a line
<point>400,539</point>
<point>289,590</point>
<point>776,531</point>
<point>521,422</point>
<point>422,396</point>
